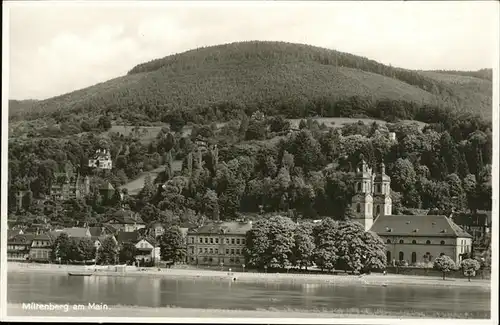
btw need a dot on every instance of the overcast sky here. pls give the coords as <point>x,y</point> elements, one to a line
<point>56,48</point>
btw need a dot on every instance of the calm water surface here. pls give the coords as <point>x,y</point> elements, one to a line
<point>45,288</point>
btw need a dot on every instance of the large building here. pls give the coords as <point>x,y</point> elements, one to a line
<point>421,238</point>
<point>69,185</point>
<point>410,238</point>
<point>218,243</point>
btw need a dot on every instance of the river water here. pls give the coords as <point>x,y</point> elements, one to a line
<point>155,292</point>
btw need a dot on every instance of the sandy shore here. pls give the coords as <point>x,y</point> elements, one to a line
<point>373,279</point>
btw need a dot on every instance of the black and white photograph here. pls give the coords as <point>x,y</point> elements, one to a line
<point>250,161</point>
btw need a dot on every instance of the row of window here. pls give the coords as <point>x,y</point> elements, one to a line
<point>378,187</point>
<point>427,256</point>
<point>215,240</point>
<point>231,251</point>
<point>428,242</point>
<point>358,208</point>
<point>210,259</point>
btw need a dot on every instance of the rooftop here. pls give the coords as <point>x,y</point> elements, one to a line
<point>126,217</point>
<point>21,239</point>
<point>230,227</point>
<point>417,226</point>
<point>75,232</point>
<point>127,237</point>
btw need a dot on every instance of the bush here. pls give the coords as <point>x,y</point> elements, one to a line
<point>444,264</point>
<point>469,267</point>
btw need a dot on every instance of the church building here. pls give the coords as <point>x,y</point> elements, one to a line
<point>411,238</point>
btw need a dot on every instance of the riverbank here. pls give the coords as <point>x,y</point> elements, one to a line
<point>373,279</point>
<point>176,312</point>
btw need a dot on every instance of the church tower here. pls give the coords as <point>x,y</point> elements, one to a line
<point>382,203</point>
<point>362,201</point>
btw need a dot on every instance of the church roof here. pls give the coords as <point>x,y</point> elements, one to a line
<point>418,226</point>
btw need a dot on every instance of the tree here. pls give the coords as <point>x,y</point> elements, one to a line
<point>61,248</point>
<point>357,249</point>
<point>469,267</point>
<point>325,254</point>
<point>128,252</point>
<point>104,123</point>
<point>279,124</point>
<point>177,122</point>
<point>243,126</point>
<point>211,204</point>
<point>172,245</point>
<point>148,190</point>
<point>256,131</point>
<point>403,176</point>
<point>85,249</point>
<point>270,243</point>
<point>108,252</point>
<point>304,246</point>
<point>444,264</point>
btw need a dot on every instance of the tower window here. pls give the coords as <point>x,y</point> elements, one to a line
<point>379,188</point>
<point>378,209</point>
<point>358,208</point>
<point>359,187</point>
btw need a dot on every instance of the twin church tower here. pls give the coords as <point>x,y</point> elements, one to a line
<point>372,194</point>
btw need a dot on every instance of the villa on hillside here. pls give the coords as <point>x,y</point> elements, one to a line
<point>410,238</point>
<point>101,160</point>
<point>218,243</point>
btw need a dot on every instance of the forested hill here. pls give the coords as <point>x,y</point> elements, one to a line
<point>220,82</point>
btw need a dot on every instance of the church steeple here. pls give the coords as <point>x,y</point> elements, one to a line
<point>382,193</point>
<point>362,201</point>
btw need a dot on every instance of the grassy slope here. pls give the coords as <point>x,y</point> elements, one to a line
<point>472,91</point>
<point>249,72</point>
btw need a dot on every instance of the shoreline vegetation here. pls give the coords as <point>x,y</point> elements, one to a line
<point>16,309</point>
<point>253,277</point>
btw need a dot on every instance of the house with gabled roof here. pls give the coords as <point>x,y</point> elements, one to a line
<point>148,250</point>
<point>421,238</point>
<point>106,191</point>
<point>126,220</point>
<point>18,247</point>
<point>98,240</point>
<point>41,247</point>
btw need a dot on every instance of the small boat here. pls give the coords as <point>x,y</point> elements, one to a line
<point>80,273</point>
